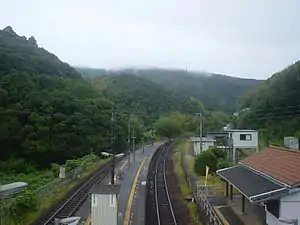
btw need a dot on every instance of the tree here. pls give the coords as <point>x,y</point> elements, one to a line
<point>168,127</point>
<point>273,106</point>
<point>207,158</point>
<point>219,153</point>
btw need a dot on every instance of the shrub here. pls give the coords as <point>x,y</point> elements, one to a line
<point>72,164</point>
<point>23,203</point>
<point>207,158</point>
<point>219,153</point>
<point>223,164</point>
<point>16,165</point>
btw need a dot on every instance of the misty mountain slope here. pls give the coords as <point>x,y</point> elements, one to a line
<point>215,91</point>
<point>21,54</point>
<point>87,72</point>
<point>138,95</point>
<point>275,105</point>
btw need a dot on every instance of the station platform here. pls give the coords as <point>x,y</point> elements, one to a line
<point>131,198</point>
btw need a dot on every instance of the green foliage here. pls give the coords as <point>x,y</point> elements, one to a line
<point>219,153</point>
<point>19,54</point>
<point>217,92</point>
<point>188,123</point>
<point>48,113</point>
<point>59,118</point>
<point>223,164</point>
<point>23,203</point>
<point>274,105</point>
<point>214,158</point>
<point>168,127</point>
<point>207,158</point>
<point>136,95</point>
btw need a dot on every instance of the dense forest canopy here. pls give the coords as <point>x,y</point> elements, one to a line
<point>215,91</point>
<point>137,95</point>
<point>48,112</point>
<point>274,106</point>
<point>22,54</point>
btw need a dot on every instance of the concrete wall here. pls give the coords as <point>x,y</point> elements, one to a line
<point>272,220</point>
<point>104,209</point>
<point>237,143</point>
<point>205,145</point>
<point>290,206</point>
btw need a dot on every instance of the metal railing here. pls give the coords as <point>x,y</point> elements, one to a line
<point>207,208</point>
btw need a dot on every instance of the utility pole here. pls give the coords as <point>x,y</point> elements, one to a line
<point>128,141</point>
<point>133,143</point>
<point>200,129</point>
<point>112,144</point>
<point>237,112</point>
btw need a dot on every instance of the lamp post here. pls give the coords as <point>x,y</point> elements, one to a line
<point>107,154</point>
<point>9,190</point>
<point>70,220</point>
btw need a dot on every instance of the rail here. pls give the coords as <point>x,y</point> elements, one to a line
<point>74,198</point>
<point>159,205</point>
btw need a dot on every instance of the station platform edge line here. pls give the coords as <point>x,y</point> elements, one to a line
<point>131,195</point>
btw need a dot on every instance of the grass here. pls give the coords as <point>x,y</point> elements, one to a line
<point>61,191</point>
<point>183,184</point>
<point>213,180</point>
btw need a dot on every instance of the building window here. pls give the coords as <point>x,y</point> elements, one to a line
<point>245,137</point>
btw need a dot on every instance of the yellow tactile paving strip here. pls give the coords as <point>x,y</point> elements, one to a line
<point>222,218</point>
<point>131,195</point>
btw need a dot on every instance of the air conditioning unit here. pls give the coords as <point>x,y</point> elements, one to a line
<point>291,143</point>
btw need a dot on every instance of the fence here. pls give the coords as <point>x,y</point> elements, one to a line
<point>207,208</point>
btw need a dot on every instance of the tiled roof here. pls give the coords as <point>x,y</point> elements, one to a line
<point>278,163</point>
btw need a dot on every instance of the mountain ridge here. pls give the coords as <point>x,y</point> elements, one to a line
<point>217,92</point>
<point>21,54</point>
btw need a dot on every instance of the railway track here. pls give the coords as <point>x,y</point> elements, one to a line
<point>74,198</point>
<point>159,209</point>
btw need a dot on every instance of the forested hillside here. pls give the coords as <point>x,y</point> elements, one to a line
<point>149,101</point>
<point>48,112</point>
<point>275,105</point>
<point>140,96</point>
<point>215,91</point>
<point>22,54</point>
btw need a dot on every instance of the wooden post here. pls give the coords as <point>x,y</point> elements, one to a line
<point>231,193</point>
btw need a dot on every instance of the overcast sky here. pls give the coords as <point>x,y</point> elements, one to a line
<point>244,38</point>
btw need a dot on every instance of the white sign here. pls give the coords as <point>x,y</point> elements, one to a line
<point>112,200</point>
<point>94,200</point>
<point>143,183</point>
<point>62,172</point>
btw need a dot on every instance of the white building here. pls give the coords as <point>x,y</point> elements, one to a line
<point>242,139</point>
<point>206,144</point>
<point>104,205</point>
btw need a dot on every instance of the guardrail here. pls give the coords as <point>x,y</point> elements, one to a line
<point>207,208</point>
